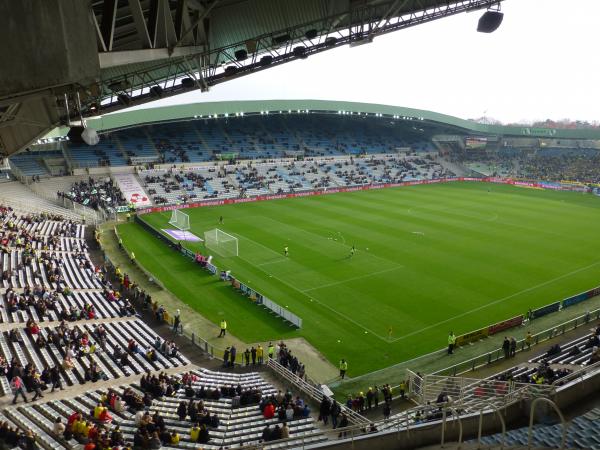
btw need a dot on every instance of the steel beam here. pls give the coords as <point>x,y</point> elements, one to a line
<point>153,19</point>
<point>114,59</point>
<point>137,13</point>
<point>107,26</point>
<point>195,23</point>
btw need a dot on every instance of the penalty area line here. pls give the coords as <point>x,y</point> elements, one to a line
<point>314,300</point>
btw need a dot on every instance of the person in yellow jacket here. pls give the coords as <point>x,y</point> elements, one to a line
<point>194,433</point>
<point>77,426</point>
<point>403,385</point>
<point>98,410</point>
<point>223,326</point>
<point>174,438</point>
<point>451,342</point>
<point>343,368</point>
<point>528,340</point>
<point>81,428</point>
<point>271,350</point>
<point>259,354</point>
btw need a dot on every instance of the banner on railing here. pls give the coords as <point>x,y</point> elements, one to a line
<point>570,301</point>
<point>473,336</point>
<point>211,268</point>
<point>574,299</point>
<point>552,307</point>
<point>505,325</point>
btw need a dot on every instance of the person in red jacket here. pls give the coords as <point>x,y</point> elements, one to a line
<point>269,411</point>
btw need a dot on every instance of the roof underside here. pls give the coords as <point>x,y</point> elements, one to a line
<point>443,123</point>
<point>97,56</point>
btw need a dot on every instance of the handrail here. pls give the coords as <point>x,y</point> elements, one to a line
<point>460,426</point>
<point>577,374</point>
<point>539,337</point>
<point>487,357</point>
<point>316,393</point>
<point>560,415</point>
<point>312,391</point>
<point>502,421</point>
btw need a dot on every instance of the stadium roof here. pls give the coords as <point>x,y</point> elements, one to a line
<point>64,56</point>
<point>209,110</point>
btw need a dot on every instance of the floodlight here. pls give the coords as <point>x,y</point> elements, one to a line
<point>490,21</point>
<point>156,92</point>
<point>241,55</point>
<point>188,83</point>
<point>311,34</point>
<point>266,60</point>
<point>124,99</point>
<point>79,134</point>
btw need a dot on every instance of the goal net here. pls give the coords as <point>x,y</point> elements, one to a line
<point>180,220</point>
<point>221,243</point>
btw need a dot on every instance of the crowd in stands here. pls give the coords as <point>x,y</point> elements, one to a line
<point>545,164</point>
<point>154,430</point>
<point>12,437</point>
<point>41,244</point>
<point>558,361</point>
<point>97,194</point>
<point>249,178</point>
<point>493,163</point>
<point>575,166</point>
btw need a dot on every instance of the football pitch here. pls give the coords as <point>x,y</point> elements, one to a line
<point>429,259</point>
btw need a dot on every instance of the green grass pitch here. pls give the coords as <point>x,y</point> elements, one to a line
<point>429,259</point>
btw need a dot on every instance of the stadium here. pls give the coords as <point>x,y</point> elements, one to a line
<point>284,273</point>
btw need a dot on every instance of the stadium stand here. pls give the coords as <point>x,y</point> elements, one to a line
<point>38,164</point>
<point>95,193</point>
<point>21,199</point>
<point>108,152</point>
<point>260,178</point>
<point>557,362</point>
<point>48,276</point>
<point>581,165</point>
<point>582,432</point>
<point>228,407</point>
<point>540,374</point>
<point>254,137</point>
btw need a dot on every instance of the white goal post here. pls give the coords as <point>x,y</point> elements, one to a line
<point>180,220</point>
<point>221,243</point>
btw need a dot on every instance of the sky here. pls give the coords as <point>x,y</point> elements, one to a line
<point>540,64</point>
